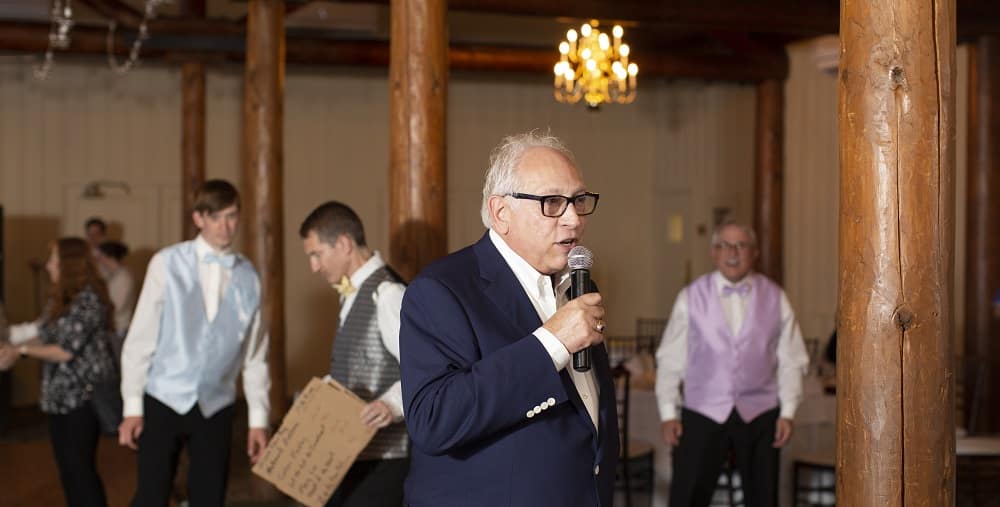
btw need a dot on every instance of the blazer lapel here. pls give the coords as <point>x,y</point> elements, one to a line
<point>503,289</point>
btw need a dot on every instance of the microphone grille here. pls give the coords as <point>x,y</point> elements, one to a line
<point>580,257</point>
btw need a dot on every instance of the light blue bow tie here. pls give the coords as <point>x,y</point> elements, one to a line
<point>224,260</point>
<point>742,289</point>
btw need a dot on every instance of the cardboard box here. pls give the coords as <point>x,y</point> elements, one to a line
<point>317,443</point>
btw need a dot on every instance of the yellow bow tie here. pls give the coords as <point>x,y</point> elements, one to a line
<point>345,287</point>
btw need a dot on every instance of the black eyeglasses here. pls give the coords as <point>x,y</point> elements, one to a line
<point>555,205</point>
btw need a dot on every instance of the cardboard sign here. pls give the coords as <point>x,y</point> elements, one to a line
<point>317,443</point>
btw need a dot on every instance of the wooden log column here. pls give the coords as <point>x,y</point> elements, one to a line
<point>982,262</point>
<point>263,111</point>
<point>192,140</point>
<point>418,86</point>
<point>769,185</point>
<point>895,394</point>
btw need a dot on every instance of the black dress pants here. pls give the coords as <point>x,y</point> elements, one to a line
<point>164,433</point>
<point>372,483</point>
<point>704,447</point>
<point>74,443</point>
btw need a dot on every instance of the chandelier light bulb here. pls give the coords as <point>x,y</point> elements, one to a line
<point>624,50</point>
<point>617,67</point>
<point>603,41</point>
<point>585,30</point>
<point>557,69</point>
<point>617,31</point>
<point>633,69</point>
<point>591,65</point>
<point>571,35</point>
<point>563,48</point>
<point>586,54</point>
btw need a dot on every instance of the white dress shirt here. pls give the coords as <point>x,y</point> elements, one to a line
<point>388,298</point>
<point>121,290</point>
<point>671,357</point>
<point>546,299</point>
<point>144,331</point>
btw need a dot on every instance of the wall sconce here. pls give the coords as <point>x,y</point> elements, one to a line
<point>95,189</point>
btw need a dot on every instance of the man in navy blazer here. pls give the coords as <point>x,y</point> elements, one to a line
<point>496,416</point>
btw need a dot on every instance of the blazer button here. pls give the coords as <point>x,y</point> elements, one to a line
<point>530,414</point>
<point>537,410</point>
<point>551,401</point>
<point>597,469</point>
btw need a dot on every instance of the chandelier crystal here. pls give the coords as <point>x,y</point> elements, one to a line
<point>594,67</point>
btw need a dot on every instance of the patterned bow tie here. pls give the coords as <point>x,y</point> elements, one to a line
<point>345,287</point>
<point>224,260</point>
<point>742,289</point>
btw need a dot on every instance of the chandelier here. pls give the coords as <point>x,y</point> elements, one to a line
<point>594,67</point>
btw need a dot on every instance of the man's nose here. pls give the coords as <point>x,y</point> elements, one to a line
<point>570,217</point>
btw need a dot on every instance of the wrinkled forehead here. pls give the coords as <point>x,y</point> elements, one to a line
<point>546,171</point>
<point>734,234</point>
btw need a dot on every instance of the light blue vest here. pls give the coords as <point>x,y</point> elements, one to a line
<point>196,361</point>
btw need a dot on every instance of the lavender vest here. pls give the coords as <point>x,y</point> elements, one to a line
<point>725,371</point>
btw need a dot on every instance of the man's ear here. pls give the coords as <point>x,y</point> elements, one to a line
<point>344,242</point>
<point>499,213</point>
<point>199,219</point>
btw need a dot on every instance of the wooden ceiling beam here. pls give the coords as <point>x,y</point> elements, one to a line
<point>663,63</point>
<point>793,17</point>
<point>798,18</point>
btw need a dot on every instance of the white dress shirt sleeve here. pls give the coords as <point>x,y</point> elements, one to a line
<point>671,360</point>
<point>557,351</point>
<point>388,301</point>
<point>793,360</point>
<point>256,379</point>
<point>21,333</point>
<point>143,333</point>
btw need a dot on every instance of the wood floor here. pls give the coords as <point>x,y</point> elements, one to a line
<point>28,475</point>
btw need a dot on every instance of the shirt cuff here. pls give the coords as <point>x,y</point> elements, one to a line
<point>256,417</point>
<point>668,413</point>
<point>788,410</point>
<point>132,406</point>
<point>557,351</point>
<point>21,333</point>
<point>393,398</point>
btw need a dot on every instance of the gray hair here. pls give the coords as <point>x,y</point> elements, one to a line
<point>716,240</point>
<point>501,177</point>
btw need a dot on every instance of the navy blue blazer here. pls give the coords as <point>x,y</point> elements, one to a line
<point>471,372</point>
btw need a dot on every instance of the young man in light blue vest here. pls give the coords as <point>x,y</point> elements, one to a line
<point>365,355</point>
<point>196,325</point>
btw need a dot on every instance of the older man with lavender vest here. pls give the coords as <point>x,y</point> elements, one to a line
<point>734,342</point>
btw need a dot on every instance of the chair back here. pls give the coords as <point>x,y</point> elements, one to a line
<point>649,332</point>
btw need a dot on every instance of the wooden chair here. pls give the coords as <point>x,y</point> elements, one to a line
<point>649,332</point>
<point>813,482</point>
<point>635,464</point>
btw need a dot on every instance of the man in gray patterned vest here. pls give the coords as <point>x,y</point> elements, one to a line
<point>365,356</point>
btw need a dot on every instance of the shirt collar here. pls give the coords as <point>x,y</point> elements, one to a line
<point>721,281</point>
<point>370,266</point>
<point>202,248</point>
<point>527,275</point>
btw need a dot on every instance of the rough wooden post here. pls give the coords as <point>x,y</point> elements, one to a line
<point>263,109</point>
<point>418,84</point>
<point>192,140</point>
<point>895,395</point>
<point>769,187</point>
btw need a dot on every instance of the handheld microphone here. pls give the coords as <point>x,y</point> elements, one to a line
<point>580,261</point>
